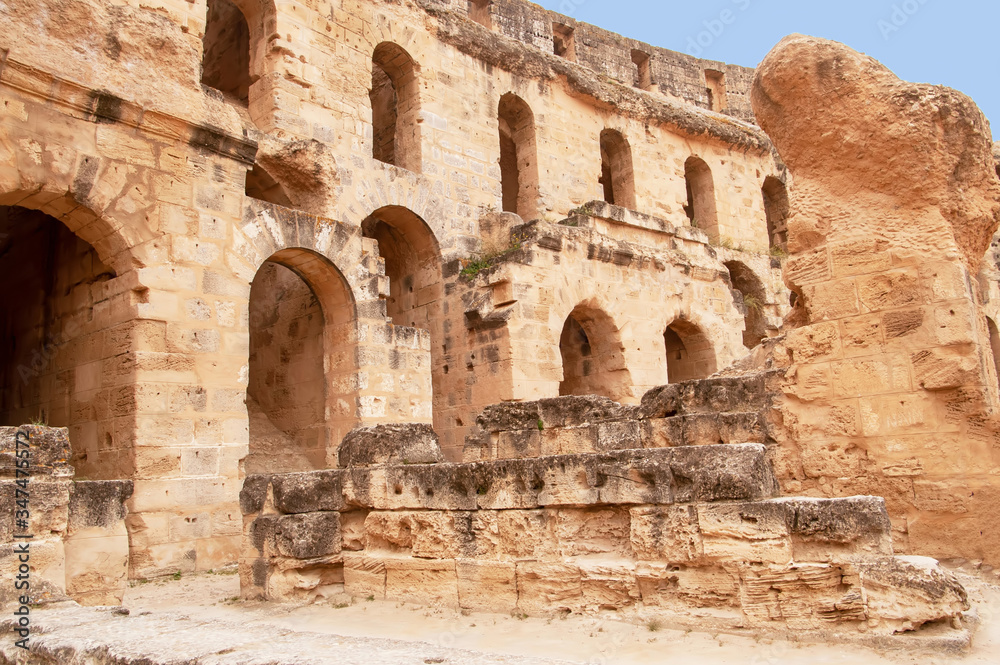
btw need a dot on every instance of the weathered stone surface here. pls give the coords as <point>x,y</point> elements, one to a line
<point>906,592</point>
<point>390,444</point>
<point>308,492</point>
<point>308,536</point>
<point>98,503</point>
<point>48,448</point>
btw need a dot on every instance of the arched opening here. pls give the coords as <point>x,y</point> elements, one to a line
<point>395,100</point>
<point>776,211</point>
<point>690,354</point>
<point>700,208</point>
<point>65,346</point>
<point>300,390</point>
<point>994,344</point>
<point>226,60</point>
<point>749,295</point>
<point>261,186</point>
<point>518,157</point>
<point>413,265</point>
<point>593,356</point>
<point>617,176</point>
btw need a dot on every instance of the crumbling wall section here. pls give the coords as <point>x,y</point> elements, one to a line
<point>892,385</point>
<point>63,539</point>
<point>689,535</point>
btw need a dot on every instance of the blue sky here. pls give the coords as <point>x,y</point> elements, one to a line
<point>930,41</point>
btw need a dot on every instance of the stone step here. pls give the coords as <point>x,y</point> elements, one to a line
<point>727,394</point>
<point>686,474</point>
<point>718,410</point>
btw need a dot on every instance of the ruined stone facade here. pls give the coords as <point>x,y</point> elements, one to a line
<point>237,232</point>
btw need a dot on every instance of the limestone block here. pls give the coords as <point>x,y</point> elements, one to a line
<point>47,560</point>
<point>506,535</point>
<point>745,532</point>
<point>546,587</point>
<point>680,587</point>
<point>308,492</point>
<point>665,533</point>
<point>97,561</point>
<point>97,544</point>
<point>425,582</point>
<point>843,529</point>
<point>390,444</point>
<point>905,592</point>
<point>486,586</point>
<point>307,535</point>
<point>593,531</point>
<point>296,581</point>
<point>352,529</point>
<point>49,448</point>
<point>801,596</point>
<point>364,576</point>
<point>519,444</point>
<point>608,586</point>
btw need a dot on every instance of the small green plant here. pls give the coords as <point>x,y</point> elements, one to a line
<point>340,606</point>
<point>520,616</point>
<point>541,425</point>
<point>753,303</point>
<point>778,252</point>
<point>479,262</point>
<point>653,625</point>
<point>370,598</point>
<point>39,421</point>
<point>176,576</point>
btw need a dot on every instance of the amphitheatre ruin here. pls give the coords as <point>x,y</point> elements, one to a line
<point>467,306</point>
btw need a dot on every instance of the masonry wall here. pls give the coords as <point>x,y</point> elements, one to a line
<point>130,152</point>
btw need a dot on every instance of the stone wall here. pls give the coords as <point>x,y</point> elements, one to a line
<point>892,385</point>
<point>78,547</point>
<point>690,535</point>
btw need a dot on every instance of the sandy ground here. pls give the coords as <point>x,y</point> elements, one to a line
<point>575,639</point>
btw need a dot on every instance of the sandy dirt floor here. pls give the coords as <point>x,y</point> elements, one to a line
<point>575,639</point>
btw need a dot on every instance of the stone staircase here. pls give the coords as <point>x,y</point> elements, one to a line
<point>719,410</point>
<point>574,505</point>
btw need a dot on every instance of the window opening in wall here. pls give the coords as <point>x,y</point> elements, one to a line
<point>715,82</point>
<point>395,105</point>
<point>563,41</point>
<point>750,295</point>
<point>700,208</point>
<point>776,211</point>
<point>226,51</point>
<point>592,355</point>
<point>617,174</point>
<point>689,352</point>
<point>479,11</point>
<point>643,71</point>
<point>518,157</point>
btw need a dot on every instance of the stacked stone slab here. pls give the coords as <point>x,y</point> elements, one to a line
<point>718,410</point>
<point>588,521</point>
<point>78,545</point>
